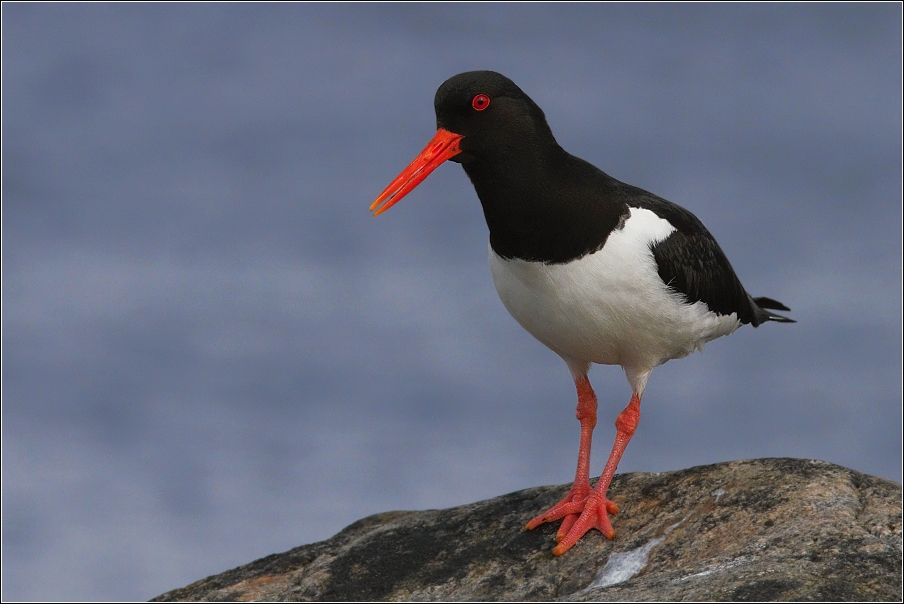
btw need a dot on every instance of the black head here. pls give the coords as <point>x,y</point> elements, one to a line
<point>493,115</point>
<point>498,134</point>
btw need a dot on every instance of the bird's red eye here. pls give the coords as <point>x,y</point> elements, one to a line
<point>480,102</point>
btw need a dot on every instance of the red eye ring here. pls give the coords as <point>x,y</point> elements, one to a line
<point>480,102</point>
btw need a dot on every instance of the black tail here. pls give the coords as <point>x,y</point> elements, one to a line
<point>764,315</point>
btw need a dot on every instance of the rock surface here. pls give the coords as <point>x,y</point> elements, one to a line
<point>760,530</point>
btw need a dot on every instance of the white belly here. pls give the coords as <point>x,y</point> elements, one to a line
<point>609,307</point>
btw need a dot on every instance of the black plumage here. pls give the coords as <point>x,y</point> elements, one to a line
<point>543,204</point>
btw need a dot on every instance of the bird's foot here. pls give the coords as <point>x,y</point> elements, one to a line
<point>594,514</point>
<point>571,505</point>
<point>581,510</point>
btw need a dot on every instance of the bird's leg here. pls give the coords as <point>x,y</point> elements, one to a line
<point>571,506</point>
<point>597,507</point>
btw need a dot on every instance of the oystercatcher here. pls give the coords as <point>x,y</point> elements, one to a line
<point>596,269</point>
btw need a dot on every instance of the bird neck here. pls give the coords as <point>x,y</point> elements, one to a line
<point>544,204</point>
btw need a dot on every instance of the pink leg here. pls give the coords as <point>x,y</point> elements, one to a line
<point>571,506</point>
<point>596,507</point>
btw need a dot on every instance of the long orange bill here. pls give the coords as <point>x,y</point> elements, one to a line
<point>443,146</point>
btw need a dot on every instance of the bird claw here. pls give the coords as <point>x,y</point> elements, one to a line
<point>594,515</point>
<point>571,505</point>
<point>580,511</point>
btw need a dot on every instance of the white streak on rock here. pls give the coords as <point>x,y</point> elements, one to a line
<point>715,569</point>
<point>621,566</point>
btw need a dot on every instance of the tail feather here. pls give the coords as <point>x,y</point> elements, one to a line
<point>769,303</point>
<point>763,315</point>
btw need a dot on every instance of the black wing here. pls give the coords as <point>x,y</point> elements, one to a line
<point>691,262</point>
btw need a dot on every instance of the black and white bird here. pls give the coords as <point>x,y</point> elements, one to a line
<point>597,270</point>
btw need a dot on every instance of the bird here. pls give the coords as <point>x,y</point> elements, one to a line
<point>598,270</point>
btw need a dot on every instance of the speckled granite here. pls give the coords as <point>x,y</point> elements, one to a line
<point>759,530</point>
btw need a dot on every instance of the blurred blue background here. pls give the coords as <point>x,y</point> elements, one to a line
<point>213,352</point>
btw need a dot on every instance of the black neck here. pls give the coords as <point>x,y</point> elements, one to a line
<point>544,204</point>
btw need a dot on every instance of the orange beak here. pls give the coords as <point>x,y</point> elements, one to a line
<point>443,146</point>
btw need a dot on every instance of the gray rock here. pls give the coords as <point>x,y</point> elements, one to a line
<point>760,530</point>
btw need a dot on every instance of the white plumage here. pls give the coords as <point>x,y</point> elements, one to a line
<point>609,307</point>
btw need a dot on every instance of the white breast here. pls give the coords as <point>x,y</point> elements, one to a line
<point>609,307</point>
